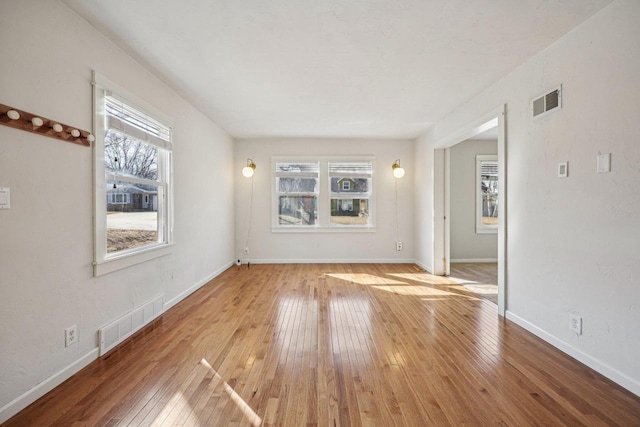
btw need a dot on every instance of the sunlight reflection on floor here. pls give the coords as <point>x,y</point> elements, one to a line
<point>249,413</point>
<point>365,279</point>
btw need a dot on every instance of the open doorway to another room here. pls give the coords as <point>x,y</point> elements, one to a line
<point>473,214</point>
<point>478,243</point>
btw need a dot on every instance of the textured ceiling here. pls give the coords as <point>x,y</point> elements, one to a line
<point>332,68</point>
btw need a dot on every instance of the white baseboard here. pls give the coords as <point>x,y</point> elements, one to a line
<point>328,261</point>
<point>425,267</point>
<point>30,396</point>
<point>631,384</point>
<point>472,260</point>
<point>182,295</point>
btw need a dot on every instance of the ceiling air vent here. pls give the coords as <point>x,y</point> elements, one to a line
<point>546,103</point>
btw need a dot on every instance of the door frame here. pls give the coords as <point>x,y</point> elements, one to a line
<point>441,192</point>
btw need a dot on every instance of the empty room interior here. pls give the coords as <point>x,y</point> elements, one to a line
<point>413,212</point>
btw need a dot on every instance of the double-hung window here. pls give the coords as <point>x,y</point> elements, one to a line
<point>350,187</point>
<point>486,194</point>
<point>323,194</point>
<point>297,193</point>
<point>132,163</point>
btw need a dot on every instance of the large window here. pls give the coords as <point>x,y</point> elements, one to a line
<point>487,194</point>
<point>350,186</point>
<point>297,193</point>
<point>312,194</point>
<point>132,153</point>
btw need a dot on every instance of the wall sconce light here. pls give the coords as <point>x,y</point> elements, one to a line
<point>13,114</point>
<point>248,170</point>
<point>75,133</point>
<point>37,122</point>
<point>57,127</point>
<point>398,171</point>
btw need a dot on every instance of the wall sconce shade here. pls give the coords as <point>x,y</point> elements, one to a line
<point>249,169</point>
<point>398,171</point>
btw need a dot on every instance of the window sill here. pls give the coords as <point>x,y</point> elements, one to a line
<point>116,263</point>
<point>323,229</point>
<point>487,230</point>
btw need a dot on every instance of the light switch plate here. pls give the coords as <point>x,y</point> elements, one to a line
<point>5,198</point>
<point>563,170</point>
<point>604,163</point>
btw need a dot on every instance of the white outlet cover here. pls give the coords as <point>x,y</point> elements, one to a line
<point>604,163</point>
<point>575,323</point>
<point>5,198</point>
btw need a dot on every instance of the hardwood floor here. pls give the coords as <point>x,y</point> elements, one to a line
<point>481,279</point>
<point>333,345</point>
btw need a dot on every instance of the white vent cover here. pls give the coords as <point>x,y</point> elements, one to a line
<point>122,328</point>
<point>546,103</point>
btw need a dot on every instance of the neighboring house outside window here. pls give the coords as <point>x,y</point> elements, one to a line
<point>486,194</point>
<point>132,162</point>
<point>323,193</point>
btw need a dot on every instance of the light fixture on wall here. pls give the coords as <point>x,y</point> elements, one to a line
<point>398,171</point>
<point>248,170</point>
<point>13,114</point>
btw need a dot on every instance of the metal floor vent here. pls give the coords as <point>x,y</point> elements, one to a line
<point>546,103</point>
<point>122,328</point>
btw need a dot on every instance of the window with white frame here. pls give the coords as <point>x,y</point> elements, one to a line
<point>132,155</point>
<point>350,188</point>
<point>486,194</point>
<point>323,193</point>
<point>297,193</point>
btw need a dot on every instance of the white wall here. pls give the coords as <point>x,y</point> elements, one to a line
<point>378,246</point>
<point>466,244</point>
<point>573,245</point>
<point>47,53</point>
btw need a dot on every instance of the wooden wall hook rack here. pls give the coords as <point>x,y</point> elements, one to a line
<point>24,120</point>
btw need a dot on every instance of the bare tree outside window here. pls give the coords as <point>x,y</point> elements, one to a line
<point>129,156</point>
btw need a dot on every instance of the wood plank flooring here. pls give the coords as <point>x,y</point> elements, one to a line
<point>479,278</point>
<point>333,345</point>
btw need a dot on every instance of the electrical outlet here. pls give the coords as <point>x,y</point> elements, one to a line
<point>70,335</point>
<point>246,250</point>
<point>398,246</point>
<point>575,324</point>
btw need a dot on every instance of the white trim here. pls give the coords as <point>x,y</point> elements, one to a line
<point>182,295</point>
<point>497,117</point>
<point>471,260</point>
<point>323,195</point>
<point>480,227</point>
<point>105,262</point>
<point>424,266</point>
<point>332,229</point>
<point>35,393</point>
<point>129,97</point>
<point>128,259</point>
<point>330,261</point>
<point>613,374</point>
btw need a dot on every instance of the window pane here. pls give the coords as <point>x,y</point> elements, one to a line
<point>129,156</point>
<point>297,210</point>
<point>489,188</point>
<point>350,211</point>
<point>350,185</point>
<point>297,167</point>
<point>297,185</point>
<point>132,216</point>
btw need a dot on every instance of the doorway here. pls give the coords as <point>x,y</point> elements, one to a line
<point>494,121</point>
